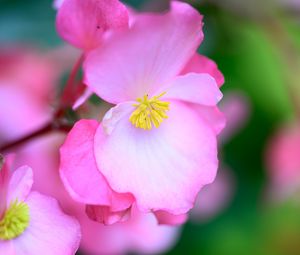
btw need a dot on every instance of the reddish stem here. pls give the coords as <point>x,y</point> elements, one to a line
<point>47,128</point>
<point>67,97</point>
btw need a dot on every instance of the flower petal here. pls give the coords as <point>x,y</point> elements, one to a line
<point>165,218</point>
<point>7,247</point>
<point>79,171</point>
<point>50,231</point>
<point>213,116</point>
<point>82,99</point>
<point>103,214</point>
<point>5,164</point>
<point>115,114</point>
<point>195,88</point>
<point>140,235</point>
<point>20,184</point>
<point>83,23</point>
<point>141,60</point>
<point>168,160</point>
<point>201,64</point>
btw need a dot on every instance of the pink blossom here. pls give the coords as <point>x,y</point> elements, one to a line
<point>161,168</point>
<point>283,161</point>
<point>84,23</point>
<point>27,81</point>
<point>32,223</point>
<point>140,234</point>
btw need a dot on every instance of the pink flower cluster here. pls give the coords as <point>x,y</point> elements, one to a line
<point>139,165</point>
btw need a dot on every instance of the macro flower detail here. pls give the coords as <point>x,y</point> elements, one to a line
<point>154,144</point>
<point>149,111</point>
<point>14,221</point>
<point>25,217</point>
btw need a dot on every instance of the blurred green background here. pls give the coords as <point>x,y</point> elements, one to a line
<point>253,61</point>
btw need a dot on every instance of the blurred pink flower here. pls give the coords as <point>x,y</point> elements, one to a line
<point>116,164</point>
<point>140,234</point>
<point>283,161</point>
<point>84,23</point>
<point>215,197</point>
<point>27,218</point>
<point>57,4</point>
<point>27,82</point>
<point>236,108</point>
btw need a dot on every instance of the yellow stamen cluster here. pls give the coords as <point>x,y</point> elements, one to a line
<point>149,111</point>
<point>14,221</point>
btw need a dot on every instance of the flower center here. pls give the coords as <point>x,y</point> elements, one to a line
<point>149,111</point>
<point>14,221</point>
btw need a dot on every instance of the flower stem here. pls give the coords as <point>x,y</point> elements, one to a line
<point>69,92</point>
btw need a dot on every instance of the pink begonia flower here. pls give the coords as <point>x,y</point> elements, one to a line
<point>26,89</point>
<point>140,234</point>
<point>31,223</point>
<point>84,24</point>
<point>159,164</point>
<point>283,162</point>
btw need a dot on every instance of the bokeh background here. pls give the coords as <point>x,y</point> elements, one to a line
<point>256,45</point>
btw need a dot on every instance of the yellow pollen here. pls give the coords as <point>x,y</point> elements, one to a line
<point>14,221</point>
<point>149,112</point>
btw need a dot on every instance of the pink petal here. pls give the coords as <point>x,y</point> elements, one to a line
<point>20,184</point>
<point>145,58</point>
<point>195,88</point>
<point>5,164</point>
<point>115,114</point>
<point>79,171</point>
<point>165,218</point>
<point>147,237</point>
<point>50,230</point>
<point>201,64</point>
<point>213,116</point>
<point>7,247</point>
<point>83,23</point>
<point>140,234</point>
<point>82,99</point>
<point>168,160</point>
<point>103,214</point>
<point>46,166</point>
